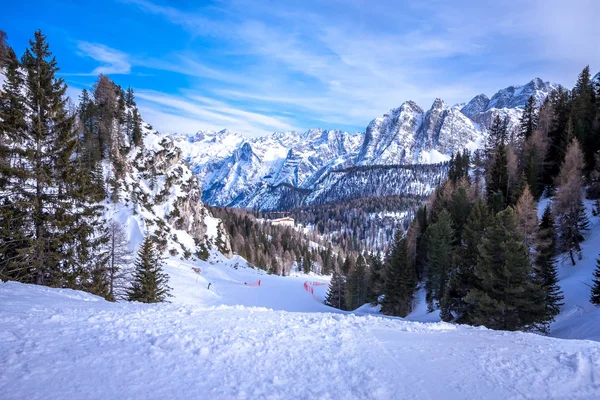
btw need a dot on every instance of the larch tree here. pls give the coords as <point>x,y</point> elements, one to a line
<point>568,202</point>
<point>526,210</point>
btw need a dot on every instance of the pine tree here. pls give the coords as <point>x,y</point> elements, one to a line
<point>506,297</point>
<point>545,265</point>
<point>336,295</point>
<point>595,292</point>
<point>150,283</point>
<point>439,250</point>
<point>399,280</point>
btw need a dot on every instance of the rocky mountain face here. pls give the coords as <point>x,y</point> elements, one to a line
<point>160,195</point>
<point>290,169</point>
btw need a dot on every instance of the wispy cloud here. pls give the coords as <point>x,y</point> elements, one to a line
<point>206,113</point>
<point>113,61</point>
<point>257,66</point>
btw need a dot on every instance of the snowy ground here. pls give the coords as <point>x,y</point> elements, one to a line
<point>238,340</point>
<point>59,344</point>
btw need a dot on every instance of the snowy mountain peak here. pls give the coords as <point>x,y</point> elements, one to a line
<point>477,105</point>
<point>517,96</point>
<point>238,171</point>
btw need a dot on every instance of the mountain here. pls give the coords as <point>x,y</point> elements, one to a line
<point>290,169</point>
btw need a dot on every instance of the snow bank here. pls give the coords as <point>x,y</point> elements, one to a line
<point>54,345</point>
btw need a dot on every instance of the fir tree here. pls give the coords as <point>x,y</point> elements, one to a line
<point>462,276</point>
<point>61,220</point>
<point>497,183</point>
<point>150,283</point>
<point>506,297</point>
<point>497,135</point>
<point>545,265</point>
<point>136,132</point>
<point>356,285</point>
<point>439,250</point>
<point>529,119</point>
<point>375,278</point>
<point>13,171</point>
<point>399,280</point>
<point>336,295</point>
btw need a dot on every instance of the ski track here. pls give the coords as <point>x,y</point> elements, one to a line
<point>57,344</point>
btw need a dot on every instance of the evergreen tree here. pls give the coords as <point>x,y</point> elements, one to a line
<point>136,133</point>
<point>595,292</point>
<point>375,278</point>
<point>439,250</point>
<point>61,222</point>
<point>557,108</point>
<point>462,276</point>
<point>356,284</point>
<point>13,172</point>
<point>150,283</point>
<point>506,297</point>
<point>529,119</point>
<point>545,265</point>
<point>497,183</point>
<point>497,134</point>
<point>399,280</point>
<point>336,295</point>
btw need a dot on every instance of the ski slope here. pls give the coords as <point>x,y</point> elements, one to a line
<point>64,344</point>
<point>231,284</point>
<point>241,340</point>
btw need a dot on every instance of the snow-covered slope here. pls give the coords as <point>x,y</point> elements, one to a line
<point>158,194</point>
<point>58,344</point>
<point>235,171</point>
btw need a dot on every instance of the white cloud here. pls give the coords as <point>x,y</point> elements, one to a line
<point>113,61</point>
<point>348,61</point>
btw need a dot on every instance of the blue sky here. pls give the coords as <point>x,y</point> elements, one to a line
<point>257,66</point>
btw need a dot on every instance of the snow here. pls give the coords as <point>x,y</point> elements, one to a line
<point>58,344</point>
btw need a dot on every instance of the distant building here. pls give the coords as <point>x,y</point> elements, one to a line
<point>286,221</point>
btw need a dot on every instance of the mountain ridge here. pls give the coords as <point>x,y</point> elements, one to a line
<point>235,171</point>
